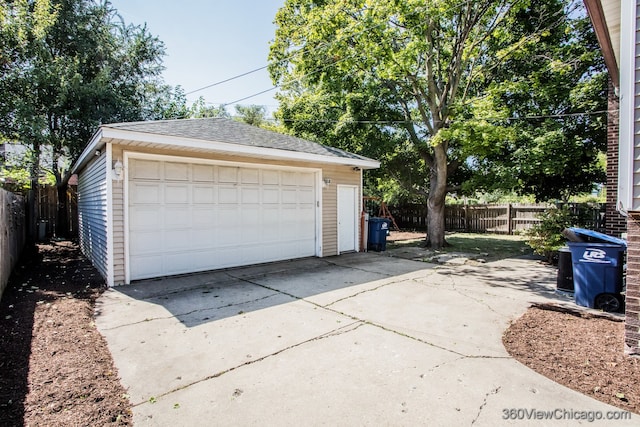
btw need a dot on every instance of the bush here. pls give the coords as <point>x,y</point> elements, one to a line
<point>545,238</point>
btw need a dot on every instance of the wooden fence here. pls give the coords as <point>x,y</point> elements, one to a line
<point>495,218</point>
<point>48,210</point>
<point>12,233</point>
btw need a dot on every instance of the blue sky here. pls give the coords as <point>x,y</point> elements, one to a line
<point>210,41</point>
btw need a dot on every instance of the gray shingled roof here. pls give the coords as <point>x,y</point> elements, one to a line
<point>233,132</point>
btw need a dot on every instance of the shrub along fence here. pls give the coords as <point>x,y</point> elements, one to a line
<point>496,218</point>
<point>12,233</point>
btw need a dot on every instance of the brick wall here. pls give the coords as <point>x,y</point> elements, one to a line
<point>632,306</point>
<point>615,223</point>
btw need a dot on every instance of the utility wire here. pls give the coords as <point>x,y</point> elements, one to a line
<point>227,80</point>
<point>491,119</point>
<point>309,50</point>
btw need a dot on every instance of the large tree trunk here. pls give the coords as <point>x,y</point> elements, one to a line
<point>436,199</point>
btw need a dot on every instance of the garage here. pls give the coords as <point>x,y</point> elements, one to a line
<point>169,197</point>
<point>187,217</point>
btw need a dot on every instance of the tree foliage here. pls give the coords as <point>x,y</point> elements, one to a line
<point>68,66</point>
<point>423,85</point>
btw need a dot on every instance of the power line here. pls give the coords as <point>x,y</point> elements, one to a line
<point>227,80</point>
<point>491,119</point>
<point>556,22</point>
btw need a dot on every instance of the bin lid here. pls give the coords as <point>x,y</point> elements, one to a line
<point>590,235</point>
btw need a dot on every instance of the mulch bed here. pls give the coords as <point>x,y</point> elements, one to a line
<point>55,366</point>
<point>578,350</point>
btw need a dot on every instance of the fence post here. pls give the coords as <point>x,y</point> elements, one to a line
<point>466,217</point>
<point>509,222</point>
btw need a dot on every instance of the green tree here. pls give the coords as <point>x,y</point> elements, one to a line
<point>67,66</point>
<point>419,79</point>
<point>416,59</point>
<point>551,144</point>
<point>252,114</point>
<point>200,109</point>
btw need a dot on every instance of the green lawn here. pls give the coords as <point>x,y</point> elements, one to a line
<point>487,246</point>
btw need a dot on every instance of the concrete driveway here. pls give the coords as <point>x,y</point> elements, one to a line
<point>360,339</point>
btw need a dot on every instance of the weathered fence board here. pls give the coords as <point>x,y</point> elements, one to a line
<point>48,210</point>
<point>495,218</point>
<point>12,233</point>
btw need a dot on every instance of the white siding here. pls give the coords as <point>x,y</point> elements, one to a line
<point>629,126</point>
<point>92,213</point>
<point>636,109</point>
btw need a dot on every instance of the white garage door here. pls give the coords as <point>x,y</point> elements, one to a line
<point>187,217</point>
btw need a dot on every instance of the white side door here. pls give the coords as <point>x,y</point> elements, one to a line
<point>347,218</point>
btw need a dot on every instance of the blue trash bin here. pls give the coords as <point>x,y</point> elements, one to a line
<point>598,265</point>
<point>378,228</point>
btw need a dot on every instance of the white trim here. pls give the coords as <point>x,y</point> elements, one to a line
<point>319,194</point>
<point>215,147</point>
<point>185,159</point>
<point>626,144</point>
<point>356,217</point>
<point>125,203</point>
<point>194,160</point>
<point>109,219</point>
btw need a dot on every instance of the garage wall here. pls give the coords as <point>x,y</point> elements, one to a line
<point>118,221</point>
<point>338,175</point>
<point>92,213</point>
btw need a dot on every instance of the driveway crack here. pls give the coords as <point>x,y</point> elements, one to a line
<point>333,333</point>
<point>150,319</point>
<point>484,403</point>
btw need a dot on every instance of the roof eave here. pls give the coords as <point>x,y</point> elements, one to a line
<point>606,34</point>
<point>96,143</point>
<point>104,133</point>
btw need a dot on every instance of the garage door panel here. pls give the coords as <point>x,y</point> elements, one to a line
<point>270,196</point>
<point>228,195</point>
<point>204,194</point>
<point>289,196</point>
<point>250,176</point>
<point>145,218</point>
<point>289,178</point>
<point>250,195</point>
<point>145,169</point>
<point>176,171</point>
<point>176,194</point>
<point>227,174</point>
<point>144,242</point>
<point>190,217</point>
<point>203,216</point>
<point>176,240</point>
<point>203,173</point>
<point>270,177</point>
<point>145,193</point>
<point>177,217</point>
<point>144,267</point>
<point>306,197</point>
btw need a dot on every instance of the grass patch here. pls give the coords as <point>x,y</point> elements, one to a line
<point>496,245</point>
<point>490,247</point>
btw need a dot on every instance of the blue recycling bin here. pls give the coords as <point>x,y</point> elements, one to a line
<point>598,266</point>
<point>378,228</point>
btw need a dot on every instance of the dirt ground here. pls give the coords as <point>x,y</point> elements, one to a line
<point>55,367</point>
<point>57,370</point>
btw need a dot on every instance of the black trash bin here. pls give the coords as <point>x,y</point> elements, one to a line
<point>378,228</point>
<point>565,270</point>
<point>598,266</point>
